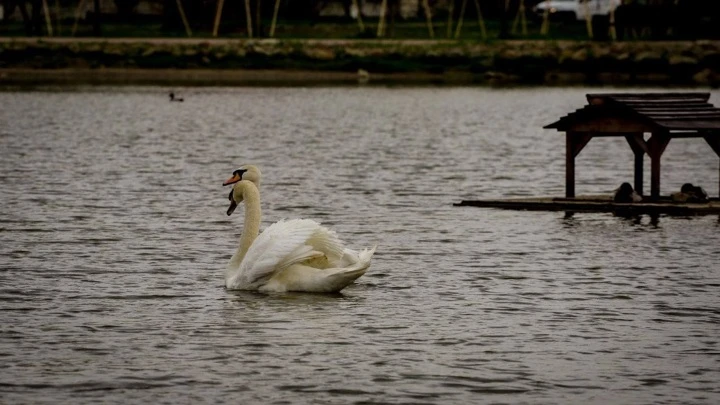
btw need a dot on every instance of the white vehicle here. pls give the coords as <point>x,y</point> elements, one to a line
<point>575,9</point>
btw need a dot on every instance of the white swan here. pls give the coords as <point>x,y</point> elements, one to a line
<point>292,255</point>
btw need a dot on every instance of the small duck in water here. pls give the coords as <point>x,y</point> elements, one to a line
<point>173,98</point>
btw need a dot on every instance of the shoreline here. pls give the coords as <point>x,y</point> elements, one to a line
<point>218,77</point>
<point>247,62</point>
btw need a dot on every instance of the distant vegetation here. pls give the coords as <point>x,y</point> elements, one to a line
<point>404,19</point>
<point>496,62</point>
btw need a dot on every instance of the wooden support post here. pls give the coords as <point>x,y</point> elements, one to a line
<point>714,143</point>
<point>639,148</point>
<point>657,144</point>
<point>638,180</point>
<point>654,177</point>
<point>569,166</point>
<point>574,143</point>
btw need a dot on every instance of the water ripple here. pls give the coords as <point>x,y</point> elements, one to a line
<point>114,238</point>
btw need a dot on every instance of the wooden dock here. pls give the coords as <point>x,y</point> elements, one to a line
<point>633,116</point>
<point>598,204</point>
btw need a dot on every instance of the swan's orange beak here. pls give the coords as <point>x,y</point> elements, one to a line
<point>234,179</point>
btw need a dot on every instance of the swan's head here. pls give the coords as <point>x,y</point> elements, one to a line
<point>248,173</point>
<point>245,172</point>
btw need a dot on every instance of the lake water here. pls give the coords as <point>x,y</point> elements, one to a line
<point>114,240</point>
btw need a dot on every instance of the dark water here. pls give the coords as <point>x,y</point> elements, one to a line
<point>114,239</point>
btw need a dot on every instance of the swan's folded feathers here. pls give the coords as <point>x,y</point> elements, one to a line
<point>283,244</point>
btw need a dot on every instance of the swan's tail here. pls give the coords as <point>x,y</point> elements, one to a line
<point>341,278</point>
<point>301,277</point>
<point>366,255</point>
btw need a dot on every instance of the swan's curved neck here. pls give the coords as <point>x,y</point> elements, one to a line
<point>251,226</point>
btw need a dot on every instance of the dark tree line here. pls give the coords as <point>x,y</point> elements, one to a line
<point>656,19</point>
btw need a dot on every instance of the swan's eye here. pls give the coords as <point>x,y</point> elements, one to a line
<point>239,172</point>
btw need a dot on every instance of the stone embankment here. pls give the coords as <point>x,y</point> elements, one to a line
<point>224,61</point>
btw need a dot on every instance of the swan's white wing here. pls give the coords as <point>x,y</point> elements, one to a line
<point>326,241</point>
<point>280,245</point>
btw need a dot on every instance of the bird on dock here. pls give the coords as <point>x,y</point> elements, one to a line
<point>690,193</point>
<point>173,98</point>
<point>626,194</point>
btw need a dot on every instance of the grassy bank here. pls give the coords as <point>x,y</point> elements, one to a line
<point>239,60</point>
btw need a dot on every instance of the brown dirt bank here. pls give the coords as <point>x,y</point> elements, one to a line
<point>248,62</point>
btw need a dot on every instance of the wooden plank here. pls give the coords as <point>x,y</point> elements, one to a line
<point>659,96</point>
<point>682,135</point>
<point>584,205</point>
<point>701,114</point>
<point>611,124</point>
<point>600,98</point>
<point>680,113</point>
<point>706,118</point>
<point>675,124</point>
<point>690,100</point>
<point>663,108</point>
<point>611,134</point>
<point>651,100</point>
<point>664,104</point>
<point>655,95</point>
<point>675,104</point>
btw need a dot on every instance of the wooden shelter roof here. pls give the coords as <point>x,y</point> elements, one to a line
<point>619,113</point>
<point>664,116</point>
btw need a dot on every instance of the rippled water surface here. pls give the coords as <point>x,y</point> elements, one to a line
<point>114,239</point>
